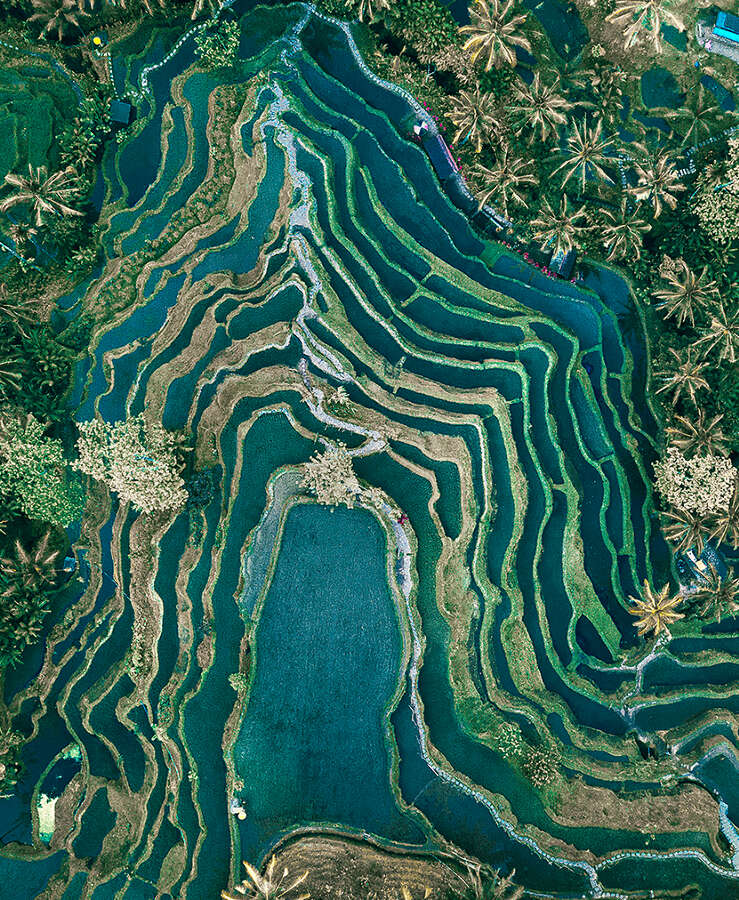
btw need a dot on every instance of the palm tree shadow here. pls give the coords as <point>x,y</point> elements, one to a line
<point>630,321</point>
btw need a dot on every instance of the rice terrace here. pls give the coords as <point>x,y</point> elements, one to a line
<point>369,432</point>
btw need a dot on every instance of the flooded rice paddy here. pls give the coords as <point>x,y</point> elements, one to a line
<point>269,235</point>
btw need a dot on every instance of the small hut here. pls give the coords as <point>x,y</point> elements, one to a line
<point>121,112</point>
<point>563,263</point>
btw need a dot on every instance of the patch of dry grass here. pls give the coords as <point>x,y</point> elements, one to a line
<point>356,870</point>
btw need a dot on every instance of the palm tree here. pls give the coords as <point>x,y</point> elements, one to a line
<point>622,233</point>
<point>475,116</point>
<point>656,610</point>
<point>60,16</point>
<point>203,5</point>
<point>10,375</point>
<point>504,180</point>
<point>27,631</point>
<point>725,522</point>
<point>494,33</point>
<point>147,4</point>
<point>31,570</point>
<point>695,437</point>
<point>722,334</point>
<point>586,148</point>
<point>702,115</point>
<point>686,292</point>
<point>686,376</point>
<point>541,106</point>
<point>370,8</point>
<point>638,15</point>
<point>44,193</point>
<point>83,147</point>
<point>685,529</point>
<point>267,886</point>
<point>18,311</point>
<point>484,883</point>
<point>558,229</point>
<point>717,595</point>
<point>407,894</point>
<point>10,652</point>
<point>658,183</point>
<point>604,84</point>
<point>23,235</point>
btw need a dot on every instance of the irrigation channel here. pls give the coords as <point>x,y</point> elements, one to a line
<point>270,235</point>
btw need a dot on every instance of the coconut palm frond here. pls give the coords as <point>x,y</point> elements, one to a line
<point>494,33</point>
<point>686,293</point>
<point>655,611</point>
<point>685,376</point>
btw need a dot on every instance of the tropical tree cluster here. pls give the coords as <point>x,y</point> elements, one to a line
<point>28,577</point>
<point>34,476</point>
<point>713,596</point>
<point>38,498</point>
<point>68,21</point>
<point>717,199</point>
<point>700,484</point>
<point>218,47</point>
<point>549,150</point>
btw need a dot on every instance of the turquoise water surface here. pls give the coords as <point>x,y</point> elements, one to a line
<point>345,241</point>
<point>327,658</point>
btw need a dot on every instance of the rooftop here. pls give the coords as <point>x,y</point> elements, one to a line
<point>727,26</point>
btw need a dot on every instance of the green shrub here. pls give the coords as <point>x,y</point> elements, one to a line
<point>34,471</point>
<point>218,48</point>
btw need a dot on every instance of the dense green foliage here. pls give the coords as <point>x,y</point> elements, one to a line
<point>218,47</point>
<point>34,472</point>
<point>34,110</point>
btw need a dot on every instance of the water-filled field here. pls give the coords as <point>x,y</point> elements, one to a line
<point>270,234</point>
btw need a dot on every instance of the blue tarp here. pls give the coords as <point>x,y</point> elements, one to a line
<point>441,158</point>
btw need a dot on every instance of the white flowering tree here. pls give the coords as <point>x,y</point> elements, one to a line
<point>702,485</point>
<point>34,471</point>
<point>330,477</point>
<point>716,201</point>
<point>137,460</point>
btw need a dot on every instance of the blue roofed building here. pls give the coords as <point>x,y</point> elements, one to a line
<point>727,26</point>
<point>720,37</point>
<point>563,264</point>
<point>121,112</point>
